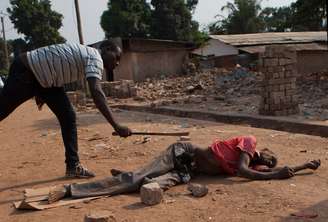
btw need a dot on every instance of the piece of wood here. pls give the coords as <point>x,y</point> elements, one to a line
<point>37,199</point>
<point>157,133</point>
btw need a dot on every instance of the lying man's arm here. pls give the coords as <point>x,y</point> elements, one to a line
<point>245,171</point>
<point>313,165</point>
<point>100,101</point>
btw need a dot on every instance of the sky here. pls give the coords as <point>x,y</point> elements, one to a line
<point>91,11</point>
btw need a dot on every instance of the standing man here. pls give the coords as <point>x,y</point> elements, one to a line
<point>42,73</point>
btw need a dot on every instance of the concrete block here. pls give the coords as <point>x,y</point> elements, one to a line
<point>151,194</point>
<point>271,62</point>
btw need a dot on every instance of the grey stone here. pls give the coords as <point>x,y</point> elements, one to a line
<point>198,190</point>
<point>151,194</point>
<point>100,216</point>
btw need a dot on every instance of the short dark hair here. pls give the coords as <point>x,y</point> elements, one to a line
<point>109,45</point>
<point>270,156</point>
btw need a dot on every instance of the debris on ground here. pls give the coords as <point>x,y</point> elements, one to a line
<point>184,138</point>
<point>198,190</point>
<point>100,216</point>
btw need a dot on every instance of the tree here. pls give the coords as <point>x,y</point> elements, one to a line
<point>37,21</point>
<point>126,18</point>
<point>243,17</point>
<point>308,15</point>
<point>277,19</point>
<point>172,19</point>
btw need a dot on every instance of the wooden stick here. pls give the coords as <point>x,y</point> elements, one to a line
<point>157,133</point>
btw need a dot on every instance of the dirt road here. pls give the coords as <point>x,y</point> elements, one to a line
<point>32,155</point>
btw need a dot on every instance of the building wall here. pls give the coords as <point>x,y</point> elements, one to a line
<point>138,66</point>
<point>312,61</point>
<point>226,61</point>
<point>216,48</point>
<point>125,69</point>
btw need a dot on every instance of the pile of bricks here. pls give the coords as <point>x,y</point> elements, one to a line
<point>279,93</point>
<point>119,89</point>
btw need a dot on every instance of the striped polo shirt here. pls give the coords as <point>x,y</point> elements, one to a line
<point>56,65</point>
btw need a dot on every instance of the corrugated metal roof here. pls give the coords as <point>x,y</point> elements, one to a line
<point>271,38</point>
<point>297,47</point>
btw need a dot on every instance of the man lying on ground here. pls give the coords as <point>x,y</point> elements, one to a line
<point>182,161</point>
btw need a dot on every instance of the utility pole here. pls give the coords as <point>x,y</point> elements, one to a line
<point>79,29</point>
<point>78,18</point>
<point>5,43</point>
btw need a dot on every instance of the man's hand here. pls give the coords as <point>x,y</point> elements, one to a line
<point>123,131</point>
<point>313,165</point>
<point>285,173</point>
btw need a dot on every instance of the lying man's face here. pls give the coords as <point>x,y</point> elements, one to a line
<point>265,157</point>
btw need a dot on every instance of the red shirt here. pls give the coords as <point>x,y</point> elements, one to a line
<point>228,152</point>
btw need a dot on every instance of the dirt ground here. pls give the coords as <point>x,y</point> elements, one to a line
<point>32,155</point>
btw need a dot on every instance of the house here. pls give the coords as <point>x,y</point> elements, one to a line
<point>311,48</point>
<point>150,58</point>
<point>215,53</point>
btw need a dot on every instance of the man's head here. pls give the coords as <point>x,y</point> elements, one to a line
<point>265,157</point>
<point>110,54</point>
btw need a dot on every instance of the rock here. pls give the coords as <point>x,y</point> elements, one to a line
<point>198,190</point>
<point>100,216</point>
<point>190,89</point>
<point>151,194</point>
<point>196,99</point>
<point>184,138</point>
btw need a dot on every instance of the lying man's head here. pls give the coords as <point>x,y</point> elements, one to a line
<point>110,54</point>
<point>265,157</point>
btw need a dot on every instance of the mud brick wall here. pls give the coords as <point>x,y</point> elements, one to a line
<point>279,92</point>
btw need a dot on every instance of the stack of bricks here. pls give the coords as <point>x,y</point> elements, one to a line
<point>279,93</point>
<point>119,89</point>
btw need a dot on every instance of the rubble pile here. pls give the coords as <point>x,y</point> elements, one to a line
<point>312,91</point>
<point>213,82</point>
<point>119,89</point>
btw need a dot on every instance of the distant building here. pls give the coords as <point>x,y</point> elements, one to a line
<point>244,49</point>
<point>151,58</point>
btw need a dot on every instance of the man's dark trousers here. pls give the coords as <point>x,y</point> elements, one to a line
<point>22,85</point>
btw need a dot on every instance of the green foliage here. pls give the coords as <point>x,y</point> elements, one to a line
<point>243,18</point>
<point>246,16</point>
<point>172,19</point>
<point>277,19</point>
<point>126,18</point>
<point>37,21</point>
<point>308,15</point>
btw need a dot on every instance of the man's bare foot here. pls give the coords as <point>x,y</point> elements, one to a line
<point>56,194</point>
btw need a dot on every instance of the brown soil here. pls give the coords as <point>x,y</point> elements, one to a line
<point>32,155</point>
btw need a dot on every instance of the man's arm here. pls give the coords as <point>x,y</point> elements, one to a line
<point>313,165</point>
<point>100,101</point>
<point>245,171</point>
